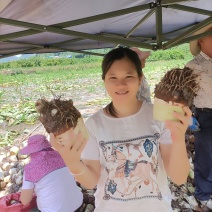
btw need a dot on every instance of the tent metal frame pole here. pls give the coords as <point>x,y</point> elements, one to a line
<point>69,23</point>
<point>55,47</point>
<point>18,34</point>
<point>127,40</point>
<point>188,26</point>
<point>121,36</point>
<point>167,2</point>
<point>43,28</point>
<point>194,37</point>
<point>139,23</point>
<point>159,25</point>
<point>18,52</point>
<point>190,31</point>
<point>103,16</point>
<point>190,9</point>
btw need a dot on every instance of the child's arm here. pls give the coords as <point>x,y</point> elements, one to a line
<point>26,196</point>
<point>86,172</point>
<point>26,191</point>
<point>175,155</point>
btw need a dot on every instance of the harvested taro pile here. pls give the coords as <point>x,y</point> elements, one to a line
<point>11,170</point>
<point>183,196</point>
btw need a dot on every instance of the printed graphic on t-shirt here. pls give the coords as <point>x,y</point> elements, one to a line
<point>132,167</point>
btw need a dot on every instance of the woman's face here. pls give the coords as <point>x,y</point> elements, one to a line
<point>122,81</point>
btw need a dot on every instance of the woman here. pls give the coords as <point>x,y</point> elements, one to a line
<point>128,154</point>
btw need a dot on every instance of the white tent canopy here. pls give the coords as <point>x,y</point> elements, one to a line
<point>77,25</point>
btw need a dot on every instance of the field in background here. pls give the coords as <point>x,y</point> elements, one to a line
<point>80,82</point>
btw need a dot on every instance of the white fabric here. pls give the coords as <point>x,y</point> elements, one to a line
<point>56,192</point>
<point>131,165</point>
<point>202,65</point>
<point>144,91</point>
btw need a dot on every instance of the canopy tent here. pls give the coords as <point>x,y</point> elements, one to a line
<point>42,26</point>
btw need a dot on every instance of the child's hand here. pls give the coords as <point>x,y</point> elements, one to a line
<point>177,128</point>
<point>72,147</point>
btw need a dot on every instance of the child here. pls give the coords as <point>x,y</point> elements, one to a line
<point>128,154</point>
<point>47,176</point>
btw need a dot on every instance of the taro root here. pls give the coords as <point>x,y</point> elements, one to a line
<point>178,85</point>
<point>58,116</point>
<point>177,88</point>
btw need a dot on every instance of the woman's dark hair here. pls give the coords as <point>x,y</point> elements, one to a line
<point>118,54</point>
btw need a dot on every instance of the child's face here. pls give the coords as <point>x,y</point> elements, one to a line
<point>206,44</point>
<point>122,81</point>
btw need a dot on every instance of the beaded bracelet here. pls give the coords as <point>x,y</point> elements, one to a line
<point>79,173</point>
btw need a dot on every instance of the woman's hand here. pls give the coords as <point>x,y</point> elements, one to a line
<point>71,147</point>
<point>86,172</point>
<point>178,128</point>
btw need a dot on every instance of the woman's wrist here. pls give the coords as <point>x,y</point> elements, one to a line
<point>77,174</point>
<point>78,169</point>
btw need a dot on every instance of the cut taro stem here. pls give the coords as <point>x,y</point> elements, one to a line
<point>79,128</point>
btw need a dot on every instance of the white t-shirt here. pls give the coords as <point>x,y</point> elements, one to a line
<point>132,177</point>
<point>56,192</point>
<point>202,65</point>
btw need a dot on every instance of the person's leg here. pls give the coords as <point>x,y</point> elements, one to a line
<point>203,157</point>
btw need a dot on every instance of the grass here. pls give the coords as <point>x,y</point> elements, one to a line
<point>81,83</point>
